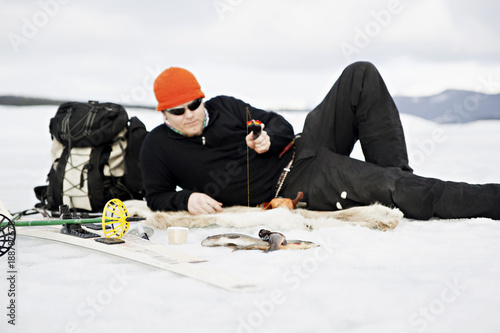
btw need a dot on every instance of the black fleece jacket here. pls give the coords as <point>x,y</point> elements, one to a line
<point>214,163</point>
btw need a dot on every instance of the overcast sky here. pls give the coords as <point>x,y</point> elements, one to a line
<point>283,53</point>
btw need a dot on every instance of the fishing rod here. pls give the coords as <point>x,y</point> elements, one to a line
<point>115,223</point>
<point>23,223</point>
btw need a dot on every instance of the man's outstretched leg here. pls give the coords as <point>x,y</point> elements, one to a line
<point>331,181</point>
<point>422,198</point>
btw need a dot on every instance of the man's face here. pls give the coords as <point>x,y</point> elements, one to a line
<point>190,123</point>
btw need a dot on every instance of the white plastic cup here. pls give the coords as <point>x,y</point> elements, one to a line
<point>177,235</point>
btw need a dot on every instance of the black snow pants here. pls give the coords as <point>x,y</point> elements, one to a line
<point>359,107</point>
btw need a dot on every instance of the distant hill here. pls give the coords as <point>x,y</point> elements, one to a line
<point>452,106</point>
<point>27,101</point>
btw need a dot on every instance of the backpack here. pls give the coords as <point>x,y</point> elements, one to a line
<point>95,157</point>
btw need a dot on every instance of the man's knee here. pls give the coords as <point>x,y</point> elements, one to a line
<point>358,74</point>
<point>362,65</point>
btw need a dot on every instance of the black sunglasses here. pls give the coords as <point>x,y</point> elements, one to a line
<point>191,106</point>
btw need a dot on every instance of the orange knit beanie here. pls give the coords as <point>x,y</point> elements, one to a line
<point>176,86</point>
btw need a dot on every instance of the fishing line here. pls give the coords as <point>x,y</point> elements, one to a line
<point>248,162</point>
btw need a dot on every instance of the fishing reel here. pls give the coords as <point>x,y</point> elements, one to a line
<point>254,126</point>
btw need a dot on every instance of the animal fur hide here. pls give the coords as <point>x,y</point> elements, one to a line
<point>375,216</point>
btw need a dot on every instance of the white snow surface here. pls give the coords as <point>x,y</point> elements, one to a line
<point>432,276</point>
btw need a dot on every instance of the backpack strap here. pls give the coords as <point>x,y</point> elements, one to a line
<point>86,130</point>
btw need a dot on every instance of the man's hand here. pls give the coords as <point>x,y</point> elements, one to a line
<point>200,203</point>
<point>261,144</point>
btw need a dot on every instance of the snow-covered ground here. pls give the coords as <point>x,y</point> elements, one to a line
<point>433,276</point>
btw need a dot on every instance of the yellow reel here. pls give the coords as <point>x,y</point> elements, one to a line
<point>115,215</point>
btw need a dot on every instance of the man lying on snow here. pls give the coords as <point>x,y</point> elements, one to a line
<point>205,148</point>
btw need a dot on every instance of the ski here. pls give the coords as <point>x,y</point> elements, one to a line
<point>145,252</point>
<point>133,248</point>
